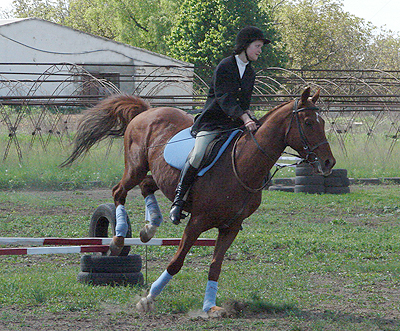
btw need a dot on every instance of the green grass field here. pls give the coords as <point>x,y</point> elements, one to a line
<point>302,262</point>
<point>104,164</point>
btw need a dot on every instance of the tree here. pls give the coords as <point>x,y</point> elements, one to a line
<point>51,10</point>
<point>384,52</point>
<point>320,35</point>
<point>205,30</point>
<point>139,23</point>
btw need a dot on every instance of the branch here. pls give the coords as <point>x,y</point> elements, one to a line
<point>132,17</point>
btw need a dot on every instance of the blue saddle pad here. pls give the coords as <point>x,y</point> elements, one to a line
<point>179,146</point>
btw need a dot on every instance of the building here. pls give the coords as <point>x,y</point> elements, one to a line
<point>41,58</point>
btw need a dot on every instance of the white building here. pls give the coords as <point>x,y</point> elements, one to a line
<point>38,57</point>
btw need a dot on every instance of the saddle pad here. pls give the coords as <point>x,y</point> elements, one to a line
<point>179,146</point>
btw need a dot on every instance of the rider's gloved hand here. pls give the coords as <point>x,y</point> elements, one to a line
<point>248,122</point>
<point>250,125</point>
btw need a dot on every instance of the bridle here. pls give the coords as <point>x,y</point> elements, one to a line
<point>311,157</point>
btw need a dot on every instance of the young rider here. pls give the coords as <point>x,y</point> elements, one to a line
<point>226,107</point>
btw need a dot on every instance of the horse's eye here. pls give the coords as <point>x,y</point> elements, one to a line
<point>308,122</point>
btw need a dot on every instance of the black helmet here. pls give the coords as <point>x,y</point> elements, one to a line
<point>246,36</point>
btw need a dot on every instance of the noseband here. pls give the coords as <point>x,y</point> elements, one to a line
<point>311,157</point>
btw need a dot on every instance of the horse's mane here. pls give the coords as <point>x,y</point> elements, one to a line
<point>272,111</point>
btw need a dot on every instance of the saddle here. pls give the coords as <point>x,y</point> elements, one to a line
<point>179,147</point>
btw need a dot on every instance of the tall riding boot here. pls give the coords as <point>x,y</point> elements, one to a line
<point>186,179</point>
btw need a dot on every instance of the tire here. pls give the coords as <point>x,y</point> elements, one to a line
<point>337,181</point>
<point>281,188</point>
<point>304,169</point>
<point>312,189</point>
<point>102,218</point>
<point>337,190</point>
<point>132,278</point>
<point>338,173</point>
<point>309,180</point>
<point>111,264</point>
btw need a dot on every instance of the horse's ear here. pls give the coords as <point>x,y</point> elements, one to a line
<point>305,95</point>
<point>315,97</point>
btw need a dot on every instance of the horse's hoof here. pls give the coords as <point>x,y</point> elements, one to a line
<point>217,312</point>
<point>116,246</point>
<point>147,232</point>
<point>145,305</point>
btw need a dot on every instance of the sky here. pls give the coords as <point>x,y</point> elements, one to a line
<point>380,12</point>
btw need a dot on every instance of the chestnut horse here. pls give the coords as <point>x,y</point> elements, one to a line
<point>225,195</point>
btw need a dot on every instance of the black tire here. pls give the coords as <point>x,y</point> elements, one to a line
<point>132,278</point>
<point>311,189</point>
<point>309,180</point>
<point>111,264</point>
<point>304,169</point>
<point>102,218</point>
<point>337,181</point>
<point>337,190</point>
<point>338,173</point>
<point>281,188</point>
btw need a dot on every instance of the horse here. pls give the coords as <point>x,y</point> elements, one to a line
<point>225,195</point>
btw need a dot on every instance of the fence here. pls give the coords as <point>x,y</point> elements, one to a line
<point>362,106</point>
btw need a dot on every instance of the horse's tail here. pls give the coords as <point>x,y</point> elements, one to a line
<point>109,117</point>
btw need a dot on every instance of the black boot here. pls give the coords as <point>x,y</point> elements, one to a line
<point>188,174</point>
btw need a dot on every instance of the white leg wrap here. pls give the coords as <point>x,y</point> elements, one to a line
<point>153,212</point>
<point>210,297</point>
<point>121,226</point>
<point>159,284</point>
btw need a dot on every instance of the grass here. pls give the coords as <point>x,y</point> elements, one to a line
<point>363,156</point>
<point>302,262</point>
<point>40,168</point>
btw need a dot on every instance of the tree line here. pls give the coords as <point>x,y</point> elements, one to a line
<point>305,34</point>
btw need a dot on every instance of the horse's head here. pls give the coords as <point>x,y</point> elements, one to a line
<point>305,133</point>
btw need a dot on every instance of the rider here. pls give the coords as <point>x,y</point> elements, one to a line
<point>226,107</point>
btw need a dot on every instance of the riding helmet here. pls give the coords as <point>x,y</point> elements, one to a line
<point>246,36</point>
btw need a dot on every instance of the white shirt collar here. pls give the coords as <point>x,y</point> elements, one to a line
<point>241,65</point>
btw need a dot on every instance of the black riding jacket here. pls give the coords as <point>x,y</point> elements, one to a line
<point>228,98</point>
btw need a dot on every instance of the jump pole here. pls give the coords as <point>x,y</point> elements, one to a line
<point>83,245</point>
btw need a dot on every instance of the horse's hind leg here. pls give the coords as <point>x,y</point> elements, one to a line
<point>153,214</point>
<point>132,177</point>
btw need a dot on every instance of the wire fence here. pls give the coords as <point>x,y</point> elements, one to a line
<point>42,102</point>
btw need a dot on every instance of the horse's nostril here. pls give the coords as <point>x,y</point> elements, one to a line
<point>329,163</point>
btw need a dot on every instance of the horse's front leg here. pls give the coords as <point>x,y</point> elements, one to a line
<point>224,241</point>
<point>190,235</point>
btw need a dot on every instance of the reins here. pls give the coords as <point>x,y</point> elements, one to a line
<point>233,158</point>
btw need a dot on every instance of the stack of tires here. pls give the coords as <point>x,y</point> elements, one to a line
<point>109,270</point>
<point>308,182</point>
<point>337,182</point>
